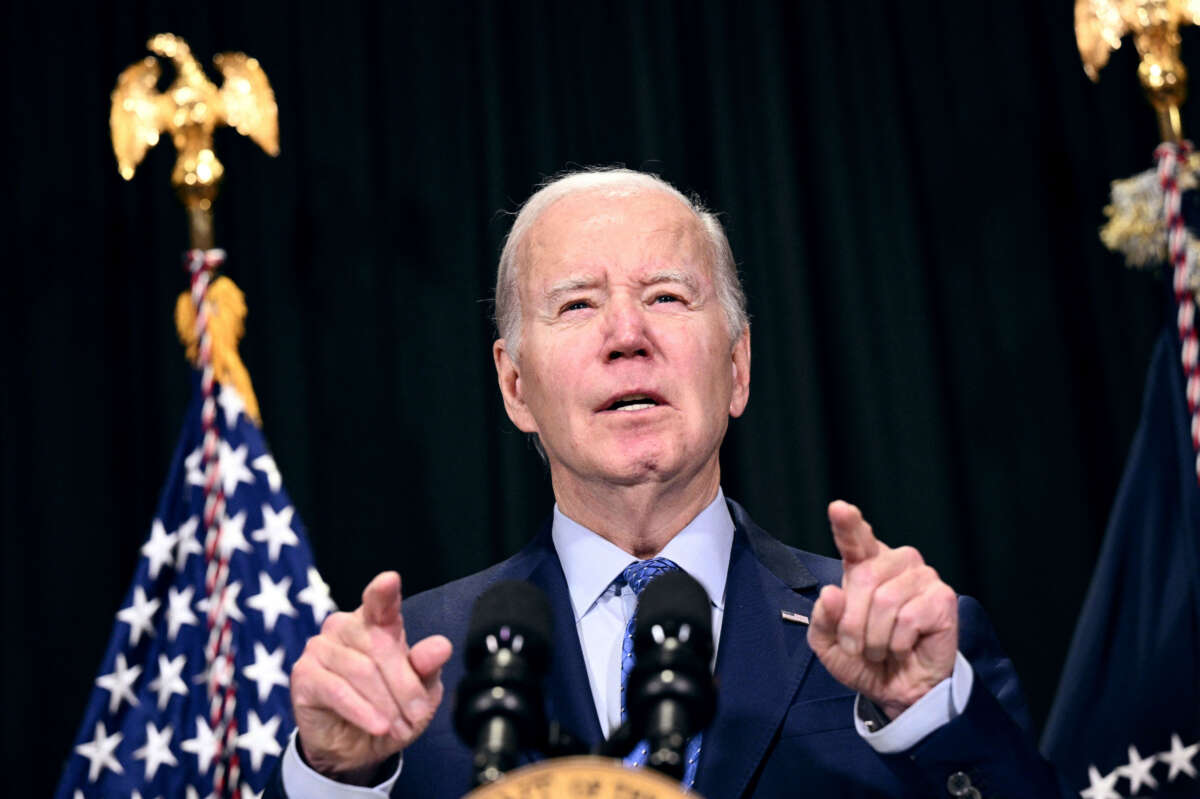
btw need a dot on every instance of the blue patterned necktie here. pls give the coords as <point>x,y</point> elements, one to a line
<point>637,576</point>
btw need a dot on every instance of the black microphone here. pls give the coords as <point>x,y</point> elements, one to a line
<point>499,710</point>
<point>671,694</point>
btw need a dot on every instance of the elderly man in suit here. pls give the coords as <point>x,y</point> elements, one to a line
<point>625,349</point>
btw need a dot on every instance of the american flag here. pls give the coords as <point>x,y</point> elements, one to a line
<point>192,696</point>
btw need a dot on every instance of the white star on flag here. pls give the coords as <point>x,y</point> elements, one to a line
<point>231,402</point>
<point>192,464</point>
<point>260,740</point>
<point>276,531</point>
<point>272,600</point>
<point>266,670</point>
<point>139,615</point>
<point>249,793</point>
<point>233,536</point>
<point>230,604</point>
<point>157,749</point>
<point>119,683</point>
<point>99,752</point>
<point>1101,787</point>
<point>159,548</point>
<point>266,465</point>
<point>169,680</point>
<point>203,746</point>
<point>1138,770</point>
<point>179,610</point>
<point>188,545</point>
<point>233,468</point>
<point>1179,758</point>
<point>316,596</point>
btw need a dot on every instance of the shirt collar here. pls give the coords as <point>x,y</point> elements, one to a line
<point>590,562</point>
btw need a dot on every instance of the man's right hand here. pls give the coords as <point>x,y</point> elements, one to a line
<point>360,693</point>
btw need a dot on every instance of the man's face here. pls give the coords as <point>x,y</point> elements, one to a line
<point>626,371</point>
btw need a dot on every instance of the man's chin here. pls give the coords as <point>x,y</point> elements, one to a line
<point>640,474</point>
<point>622,471</point>
<point>648,465</point>
<point>627,459</point>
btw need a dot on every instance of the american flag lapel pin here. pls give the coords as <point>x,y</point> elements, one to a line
<point>794,617</point>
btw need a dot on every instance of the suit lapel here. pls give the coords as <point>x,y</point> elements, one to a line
<point>568,690</point>
<point>762,658</point>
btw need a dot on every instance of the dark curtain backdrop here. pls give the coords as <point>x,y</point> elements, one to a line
<point>912,190</point>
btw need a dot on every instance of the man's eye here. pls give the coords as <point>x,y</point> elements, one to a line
<point>576,305</point>
<point>667,298</point>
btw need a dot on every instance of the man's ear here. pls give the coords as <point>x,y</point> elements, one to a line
<point>508,375</point>
<point>741,374</point>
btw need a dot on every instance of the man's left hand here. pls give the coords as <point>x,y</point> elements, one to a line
<point>890,632</point>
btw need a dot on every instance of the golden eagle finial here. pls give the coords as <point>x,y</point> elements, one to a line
<point>1099,27</point>
<point>189,110</point>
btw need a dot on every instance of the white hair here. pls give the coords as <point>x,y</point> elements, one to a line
<point>508,297</point>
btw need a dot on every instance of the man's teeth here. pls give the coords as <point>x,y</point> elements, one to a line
<point>635,403</point>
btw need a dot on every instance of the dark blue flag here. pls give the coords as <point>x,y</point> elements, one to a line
<point>1126,721</point>
<point>183,706</point>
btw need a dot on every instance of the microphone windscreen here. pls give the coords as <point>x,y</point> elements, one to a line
<point>506,611</point>
<point>672,600</point>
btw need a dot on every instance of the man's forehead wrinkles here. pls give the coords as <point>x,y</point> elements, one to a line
<point>676,229</point>
<point>570,248</point>
<point>683,237</point>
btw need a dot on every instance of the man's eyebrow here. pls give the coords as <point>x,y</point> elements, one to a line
<point>569,285</point>
<point>687,279</point>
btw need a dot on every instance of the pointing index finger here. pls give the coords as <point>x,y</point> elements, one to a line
<point>851,534</point>
<point>381,600</point>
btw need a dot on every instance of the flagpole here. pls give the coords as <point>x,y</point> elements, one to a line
<point>1146,220</point>
<point>192,697</point>
<point>1127,698</point>
<point>208,317</point>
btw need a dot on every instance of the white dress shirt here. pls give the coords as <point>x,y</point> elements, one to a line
<point>590,564</point>
<point>602,611</point>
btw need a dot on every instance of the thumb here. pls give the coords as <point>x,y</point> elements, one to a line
<point>826,613</point>
<point>428,655</point>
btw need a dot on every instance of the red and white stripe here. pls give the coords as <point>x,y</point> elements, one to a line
<point>219,651</point>
<point>1170,159</point>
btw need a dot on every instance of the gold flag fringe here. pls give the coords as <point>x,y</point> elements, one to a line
<point>226,325</point>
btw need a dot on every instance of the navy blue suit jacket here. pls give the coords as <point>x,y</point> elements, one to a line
<point>784,727</point>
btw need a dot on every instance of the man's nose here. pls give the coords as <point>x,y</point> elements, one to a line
<point>627,334</point>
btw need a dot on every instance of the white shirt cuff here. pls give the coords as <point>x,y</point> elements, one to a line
<point>300,781</point>
<point>944,702</point>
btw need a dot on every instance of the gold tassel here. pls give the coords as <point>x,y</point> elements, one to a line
<point>1135,226</point>
<point>1135,220</point>
<point>227,314</point>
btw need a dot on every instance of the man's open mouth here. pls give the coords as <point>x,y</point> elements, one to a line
<point>632,402</point>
